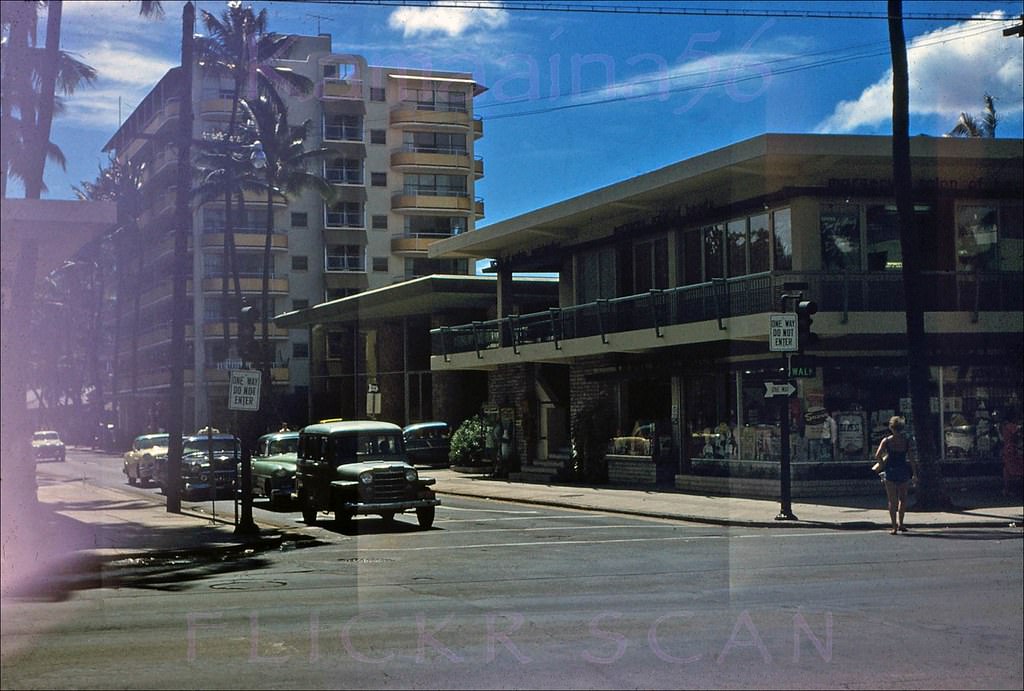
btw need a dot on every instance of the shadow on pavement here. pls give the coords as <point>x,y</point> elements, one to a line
<point>63,555</point>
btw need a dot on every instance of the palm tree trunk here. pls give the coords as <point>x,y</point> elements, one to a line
<point>930,495</point>
<point>39,136</point>
<point>265,363</point>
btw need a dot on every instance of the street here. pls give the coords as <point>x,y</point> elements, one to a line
<point>500,595</point>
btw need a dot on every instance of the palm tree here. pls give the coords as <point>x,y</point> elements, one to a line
<point>286,172</point>
<point>239,48</point>
<point>983,127</point>
<point>122,183</point>
<point>930,495</point>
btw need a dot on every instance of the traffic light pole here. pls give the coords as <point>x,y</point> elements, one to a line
<point>247,317</point>
<point>785,479</point>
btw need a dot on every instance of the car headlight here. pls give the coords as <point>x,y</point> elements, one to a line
<point>366,478</point>
<point>411,475</point>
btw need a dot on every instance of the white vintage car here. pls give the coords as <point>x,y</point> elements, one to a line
<point>140,462</point>
<point>46,445</point>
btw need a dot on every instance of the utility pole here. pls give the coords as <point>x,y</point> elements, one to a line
<point>183,223</point>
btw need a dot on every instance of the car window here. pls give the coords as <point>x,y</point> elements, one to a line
<point>45,436</point>
<point>283,446</point>
<point>352,448</point>
<point>150,442</point>
<point>219,446</point>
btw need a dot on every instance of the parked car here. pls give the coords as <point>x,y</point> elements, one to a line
<point>428,443</point>
<point>141,461</point>
<point>47,446</point>
<point>273,465</point>
<point>198,475</point>
<point>359,467</point>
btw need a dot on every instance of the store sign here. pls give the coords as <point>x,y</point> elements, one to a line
<point>782,333</point>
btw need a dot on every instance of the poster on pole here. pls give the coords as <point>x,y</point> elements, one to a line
<point>244,390</point>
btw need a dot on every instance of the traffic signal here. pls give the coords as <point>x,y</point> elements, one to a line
<point>247,318</point>
<point>805,309</point>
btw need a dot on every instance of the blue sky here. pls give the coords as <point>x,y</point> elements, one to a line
<point>580,100</point>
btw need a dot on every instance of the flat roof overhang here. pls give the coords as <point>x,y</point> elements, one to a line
<point>755,168</point>
<point>62,227</point>
<point>419,296</point>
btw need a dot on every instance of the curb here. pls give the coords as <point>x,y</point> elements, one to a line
<point>727,522</point>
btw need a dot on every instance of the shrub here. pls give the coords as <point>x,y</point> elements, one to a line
<point>468,442</point>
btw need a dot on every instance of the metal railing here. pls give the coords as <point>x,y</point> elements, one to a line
<point>944,291</point>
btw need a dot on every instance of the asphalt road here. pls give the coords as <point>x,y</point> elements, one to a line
<point>505,596</point>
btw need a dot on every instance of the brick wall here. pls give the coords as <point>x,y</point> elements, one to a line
<point>512,386</point>
<point>631,471</point>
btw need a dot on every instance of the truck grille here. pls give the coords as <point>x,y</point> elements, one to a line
<point>389,484</point>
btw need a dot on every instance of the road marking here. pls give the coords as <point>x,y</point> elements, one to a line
<point>519,518</point>
<point>462,508</point>
<point>675,538</point>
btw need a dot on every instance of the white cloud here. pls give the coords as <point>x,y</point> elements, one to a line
<point>950,70</point>
<point>452,21</point>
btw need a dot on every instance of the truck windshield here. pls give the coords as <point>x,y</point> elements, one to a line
<point>356,447</point>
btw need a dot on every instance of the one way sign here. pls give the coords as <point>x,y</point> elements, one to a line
<point>774,388</point>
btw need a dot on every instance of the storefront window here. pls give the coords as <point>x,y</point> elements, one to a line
<point>714,254</point>
<point>783,236</point>
<point>736,255</point>
<point>883,238</point>
<point>759,247</point>
<point>976,235</point>
<point>840,237</point>
<point>1011,240</point>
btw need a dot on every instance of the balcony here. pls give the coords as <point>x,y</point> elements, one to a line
<point>334,89</point>
<point>874,300</point>
<point>213,327</point>
<point>167,113</point>
<point>216,106</point>
<point>439,160</point>
<point>251,284</point>
<point>343,133</point>
<point>408,115</point>
<point>414,244</point>
<point>161,205</point>
<point>478,127</point>
<point>246,238</point>
<point>437,202</point>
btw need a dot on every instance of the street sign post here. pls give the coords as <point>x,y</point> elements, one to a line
<point>783,336</point>
<point>244,390</point>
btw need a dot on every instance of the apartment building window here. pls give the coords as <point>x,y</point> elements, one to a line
<point>435,142</point>
<point>759,243</point>
<point>377,94</point>
<point>300,263</point>
<point>736,247</point>
<point>1011,238</point>
<point>782,236</point>
<point>300,304</point>
<point>244,220</point>
<point>344,171</point>
<point>250,265</point>
<point>435,99</point>
<point>344,258</point>
<point>300,350</point>
<point>300,219</point>
<point>435,225</point>
<point>380,264</point>
<point>379,179</point>
<point>338,70</point>
<point>343,128</point>
<point>436,185</point>
<point>840,237</point>
<point>378,136</point>
<point>380,222</point>
<point>344,215</point>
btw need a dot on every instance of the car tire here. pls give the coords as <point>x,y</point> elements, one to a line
<point>343,519</point>
<point>425,517</point>
<point>388,516</point>
<point>308,512</point>
<point>131,480</point>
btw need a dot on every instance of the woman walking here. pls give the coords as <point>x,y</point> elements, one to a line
<point>899,471</point>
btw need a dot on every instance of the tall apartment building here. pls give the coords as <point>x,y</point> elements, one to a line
<point>402,165</point>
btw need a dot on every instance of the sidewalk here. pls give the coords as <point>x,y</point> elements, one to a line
<point>974,509</point>
<point>83,534</point>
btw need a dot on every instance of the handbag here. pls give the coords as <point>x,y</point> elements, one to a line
<point>879,467</point>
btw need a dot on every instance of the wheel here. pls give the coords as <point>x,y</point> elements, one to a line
<point>425,517</point>
<point>342,519</point>
<point>388,516</point>
<point>143,481</point>
<point>308,512</point>
<point>131,480</point>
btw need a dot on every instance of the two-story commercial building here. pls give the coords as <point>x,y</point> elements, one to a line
<point>668,283</point>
